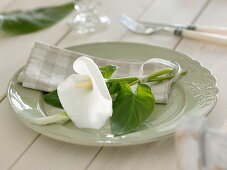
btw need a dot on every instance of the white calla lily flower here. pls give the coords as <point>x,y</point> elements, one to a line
<point>85,96</point>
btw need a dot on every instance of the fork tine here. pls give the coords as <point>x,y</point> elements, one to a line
<point>136,26</point>
<point>128,25</point>
<point>128,22</point>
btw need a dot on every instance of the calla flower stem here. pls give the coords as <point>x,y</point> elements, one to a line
<point>49,119</point>
<point>125,79</point>
<point>149,78</point>
<point>153,75</point>
<point>159,73</point>
<point>155,79</point>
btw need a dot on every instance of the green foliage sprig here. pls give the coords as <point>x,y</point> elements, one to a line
<point>27,21</point>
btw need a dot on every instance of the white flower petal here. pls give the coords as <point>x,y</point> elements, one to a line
<point>87,107</point>
<point>86,66</point>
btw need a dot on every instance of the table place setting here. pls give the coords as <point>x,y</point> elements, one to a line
<point>79,81</point>
<point>116,93</point>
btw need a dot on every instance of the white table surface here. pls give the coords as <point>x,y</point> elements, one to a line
<point>24,149</point>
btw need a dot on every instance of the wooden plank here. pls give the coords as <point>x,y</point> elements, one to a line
<point>212,57</point>
<point>115,31</point>
<point>138,157</point>
<point>46,154</point>
<point>153,156</point>
<point>5,4</point>
<point>14,138</point>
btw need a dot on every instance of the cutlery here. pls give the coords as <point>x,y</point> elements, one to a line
<point>146,29</point>
<point>208,29</point>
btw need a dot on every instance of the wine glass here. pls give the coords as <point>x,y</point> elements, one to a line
<point>88,18</point>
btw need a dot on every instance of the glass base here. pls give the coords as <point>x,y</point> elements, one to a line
<point>85,23</point>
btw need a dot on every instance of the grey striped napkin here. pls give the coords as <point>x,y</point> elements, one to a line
<point>48,66</point>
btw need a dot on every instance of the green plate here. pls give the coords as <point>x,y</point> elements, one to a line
<point>195,94</point>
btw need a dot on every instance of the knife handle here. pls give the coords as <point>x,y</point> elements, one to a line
<point>209,29</point>
<point>202,36</point>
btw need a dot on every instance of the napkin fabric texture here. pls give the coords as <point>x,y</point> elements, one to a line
<point>48,66</point>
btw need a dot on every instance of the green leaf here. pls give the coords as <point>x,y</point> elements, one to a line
<point>22,22</point>
<point>53,99</point>
<point>107,71</point>
<point>113,87</point>
<point>130,110</point>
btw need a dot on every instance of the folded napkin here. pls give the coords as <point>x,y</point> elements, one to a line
<point>48,66</point>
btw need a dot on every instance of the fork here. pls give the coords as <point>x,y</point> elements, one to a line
<point>147,30</point>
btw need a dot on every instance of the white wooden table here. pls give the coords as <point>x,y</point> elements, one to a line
<point>24,149</point>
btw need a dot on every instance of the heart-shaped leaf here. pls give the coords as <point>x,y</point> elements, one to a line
<point>130,110</point>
